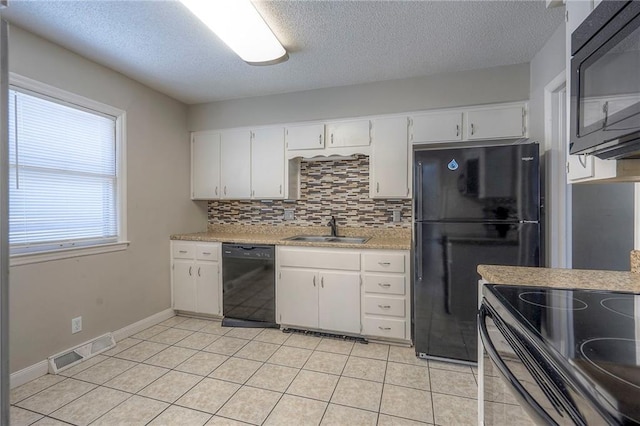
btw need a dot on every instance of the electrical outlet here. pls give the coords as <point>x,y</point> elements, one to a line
<point>76,325</point>
<point>396,215</point>
<point>288,214</point>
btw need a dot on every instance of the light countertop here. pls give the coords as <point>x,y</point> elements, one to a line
<point>561,278</point>
<point>389,239</point>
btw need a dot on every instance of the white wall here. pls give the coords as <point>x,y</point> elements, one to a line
<point>112,290</point>
<point>500,84</point>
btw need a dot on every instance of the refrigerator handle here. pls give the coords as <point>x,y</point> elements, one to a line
<point>419,251</point>
<point>418,196</point>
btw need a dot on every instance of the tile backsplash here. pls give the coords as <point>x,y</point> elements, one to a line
<point>339,188</point>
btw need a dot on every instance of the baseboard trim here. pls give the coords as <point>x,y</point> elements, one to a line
<point>27,374</point>
<point>41,368</point>
<point>145,323</point>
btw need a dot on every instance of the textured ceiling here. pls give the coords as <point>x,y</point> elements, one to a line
<point>330,43</point>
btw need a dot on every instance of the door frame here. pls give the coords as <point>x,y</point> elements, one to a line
<point>558,198</point>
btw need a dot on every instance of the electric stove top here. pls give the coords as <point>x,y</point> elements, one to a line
<point>593,337</point>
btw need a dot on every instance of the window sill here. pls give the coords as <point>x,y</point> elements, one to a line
<point>47,256</point>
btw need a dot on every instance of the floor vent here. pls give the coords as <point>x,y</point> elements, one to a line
<point>74,356</point>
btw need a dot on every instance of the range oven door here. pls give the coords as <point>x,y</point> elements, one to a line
<point>511,394</point>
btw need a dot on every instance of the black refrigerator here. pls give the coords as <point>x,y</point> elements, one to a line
<point>472,206</point>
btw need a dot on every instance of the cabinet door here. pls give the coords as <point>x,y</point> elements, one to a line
<point>205,165</point>
<point>496,123</point>
<point>436,127</point>
<point>235,164</point>
<point>339,301</point>
<point>297,297</point>
<point>207,288</point>
<point>389,169</point>
<point>579,167</point>
<point>184,285</point>
<point>267,163</point>
<point>305,137</point>
<point>348,133</point>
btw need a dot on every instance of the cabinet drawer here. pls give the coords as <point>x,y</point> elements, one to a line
<point>391,328</point>
<point>207,251</point>
<point>388,284</point>
<point>384,306</point>
<point>384,262</point>
<point>345,260</point>
<point>183,250</point>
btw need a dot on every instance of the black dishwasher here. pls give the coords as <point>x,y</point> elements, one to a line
<point>249,285</point>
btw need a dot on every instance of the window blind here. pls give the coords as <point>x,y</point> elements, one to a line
<point>62,177</point>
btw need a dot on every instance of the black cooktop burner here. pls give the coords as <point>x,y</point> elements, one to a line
<point>552,301</point>
<point>593,335</point>
<point>620,305</point>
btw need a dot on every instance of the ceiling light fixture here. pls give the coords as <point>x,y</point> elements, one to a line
<point>240,26</point>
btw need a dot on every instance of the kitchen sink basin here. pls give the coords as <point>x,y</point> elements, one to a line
<point>328,239</point>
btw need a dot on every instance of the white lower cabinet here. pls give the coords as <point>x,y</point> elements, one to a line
<point>386,296</point>
<point>358,292</point>
<point>324,296</point>
<point>195,277</point>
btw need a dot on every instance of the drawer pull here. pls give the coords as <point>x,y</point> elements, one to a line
<point>183,251</point>
<point>206,253</point>
<point>385,285</point>
<point>384,263</point>
<point>384,306</point>
<point>384,328</point>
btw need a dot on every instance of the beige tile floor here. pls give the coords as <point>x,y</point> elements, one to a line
<point>188,371</point>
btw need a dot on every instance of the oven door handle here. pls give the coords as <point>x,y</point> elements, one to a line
<point>536,409</point>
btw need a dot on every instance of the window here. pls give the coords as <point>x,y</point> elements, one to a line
<point>65,185</point>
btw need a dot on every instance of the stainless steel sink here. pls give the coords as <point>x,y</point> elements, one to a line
<point>328,239</point>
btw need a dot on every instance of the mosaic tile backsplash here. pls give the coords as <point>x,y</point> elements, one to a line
<point>339,188</point>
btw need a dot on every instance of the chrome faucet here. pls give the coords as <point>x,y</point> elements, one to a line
<point>334,226</point>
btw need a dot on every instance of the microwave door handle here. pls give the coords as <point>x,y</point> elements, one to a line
<point>539,412</point>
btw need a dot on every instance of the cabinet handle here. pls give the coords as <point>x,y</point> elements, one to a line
<point>225,190</point>
<point>253,193</point>
<point>385,285</point>
<point>457,130</point>
<point>199,271</point>
<point>314,281</point>
<point>331,138</point>
<point>216,190</point>
<point>280,191</point>
<point>322,282</point>
<point>183,251</point>
<point>320,139</point>
<point>384,263</point>
<point>377,186</point>
<point>384,306</point>
<point>472,129</point>
<point>189,270</point>
<point>384,328</point>
<point>206,253</point>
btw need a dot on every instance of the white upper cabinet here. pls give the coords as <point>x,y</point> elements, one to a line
<point>348,133</point>
<point>308,136</point>
<point>235,164</point>
<point>267,163</point>
<point>389,175</point>
<point>496,123</point>
<point>205,172</point>
<point>436,127</point>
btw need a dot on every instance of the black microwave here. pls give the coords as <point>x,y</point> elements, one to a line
<point>605,82</point>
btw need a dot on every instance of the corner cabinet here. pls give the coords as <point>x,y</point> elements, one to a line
<point>205,161</point>
<point>195,277</point>
<point>389,171</point>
